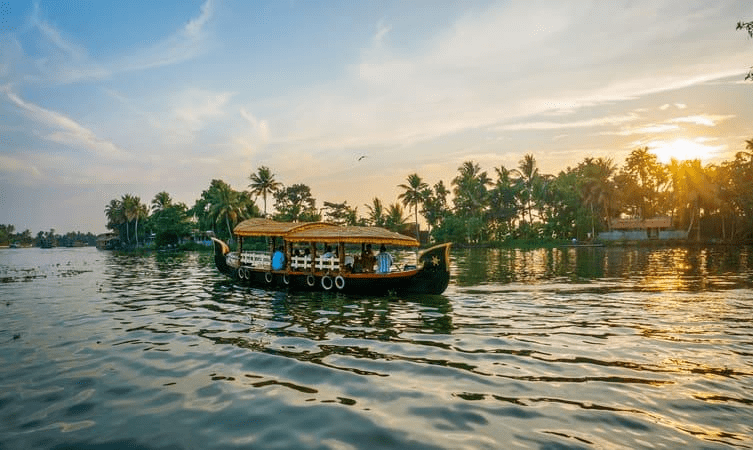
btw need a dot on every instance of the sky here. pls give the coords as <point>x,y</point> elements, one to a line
<point>103,98</point>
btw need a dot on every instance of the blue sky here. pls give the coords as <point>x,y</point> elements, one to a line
<point>103,98</point>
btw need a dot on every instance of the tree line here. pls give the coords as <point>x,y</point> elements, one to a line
<point>713,202</point>
<point>9,236</point>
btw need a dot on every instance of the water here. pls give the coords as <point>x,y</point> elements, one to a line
<point>564,348</point>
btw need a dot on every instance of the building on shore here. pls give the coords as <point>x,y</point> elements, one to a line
<point>656,228</point>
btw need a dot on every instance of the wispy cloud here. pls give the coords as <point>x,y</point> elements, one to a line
<point>587,123</point>
<point>646,129</point>
<point>64,61</point>
<point>708,120</point>
<point>513,60</point>
<point>10,165</point>
<point>259,127</point>
<point>67,131</point>
<point>198,106</point>
<point>185,44</point>
<point>671,125</point>
<point>381,33</point>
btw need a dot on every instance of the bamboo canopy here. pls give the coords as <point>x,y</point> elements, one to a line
<point>351,235</point>
<point>322,232</point>
<point>266,227</point>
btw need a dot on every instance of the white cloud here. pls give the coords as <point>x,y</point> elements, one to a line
<point>15,166</point>
<point>708,120</point>
<point>66,130</point>
<point>381,33</point>
<point>587,123</point>
<point>54,36</point>
<point>185,44</point>
<point>515,60</point>
<point>647,129</point>
<point>260,128</point>
<point>64,61</point>
<point>199,106</point>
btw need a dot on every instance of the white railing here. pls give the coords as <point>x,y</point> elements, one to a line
<point>300,262</point>
<point>262,260</point>
<point>304,263</point>
<point>256,259</point>
<point>331,264</point>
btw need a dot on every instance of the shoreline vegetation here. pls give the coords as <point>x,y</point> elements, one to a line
<point>520,207</point>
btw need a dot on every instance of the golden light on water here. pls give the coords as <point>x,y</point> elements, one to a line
<point>684,149</point>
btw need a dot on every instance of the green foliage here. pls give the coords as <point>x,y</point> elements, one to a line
<point>5,232</point>
<point>521,205</point>
<point>221,208</point>
<point>413,194</point>
<point>394,219</point>
<point>123,215</point>
<point>170,224</point>
<point>263,183</point>
<point>341,213</point>
<point>296,204</point>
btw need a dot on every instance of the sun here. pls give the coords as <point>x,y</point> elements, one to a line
<point>683,149</point>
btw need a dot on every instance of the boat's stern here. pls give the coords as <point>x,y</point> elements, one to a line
<point>221,252</point>
<point>434,273</point>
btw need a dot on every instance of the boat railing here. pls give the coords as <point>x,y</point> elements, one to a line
<point>300,262</point>
<point>323,264</point>
<point>256,259</point>
<point>330,264</point>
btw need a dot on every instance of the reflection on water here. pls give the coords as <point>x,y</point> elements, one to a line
<point>644,268</point>
<point>555,348</point>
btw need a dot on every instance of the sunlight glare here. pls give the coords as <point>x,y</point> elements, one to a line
<point>683,149</point>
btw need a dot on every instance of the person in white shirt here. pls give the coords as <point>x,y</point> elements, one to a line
<point>384,260</point>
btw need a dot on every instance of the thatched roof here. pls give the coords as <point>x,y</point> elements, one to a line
<point>351,235</point>
<point>266,227</point>
<point>322,232</point>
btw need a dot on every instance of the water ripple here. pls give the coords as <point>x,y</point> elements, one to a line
<point>607,349</point>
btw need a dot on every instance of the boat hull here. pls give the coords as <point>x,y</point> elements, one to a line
<point>431,278</point>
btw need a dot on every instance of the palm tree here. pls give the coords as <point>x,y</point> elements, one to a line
<point>597,187</point>
<point>130,206</point>
<point>394,219</point>
<point>528,174</point>
<point>647,175</point>
<point>413,195</point>
<point>435,204</point>
<point>742,155</point>
<point>161,201</point>
<point>470,189</point>
<point>263,183</point>
<point>503,204</point>
<point>226,206</point>
<point>133,209</point>
<point>697,191</point>
<point>115,214</point>
<point>376,213</point>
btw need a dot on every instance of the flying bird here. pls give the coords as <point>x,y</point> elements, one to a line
<point>361,157</point>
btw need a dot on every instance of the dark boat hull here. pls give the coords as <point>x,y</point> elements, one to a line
<point>432,277</point>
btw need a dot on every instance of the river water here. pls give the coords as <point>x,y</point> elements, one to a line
<point>562,348</point>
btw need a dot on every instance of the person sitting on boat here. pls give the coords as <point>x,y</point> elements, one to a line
<point>278,259</point>
<point>328,252</point>
<point>349,262</point>
<point>384,260</point>
<point>367,259</point>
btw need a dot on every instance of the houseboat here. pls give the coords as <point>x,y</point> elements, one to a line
<point>327,257</point>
